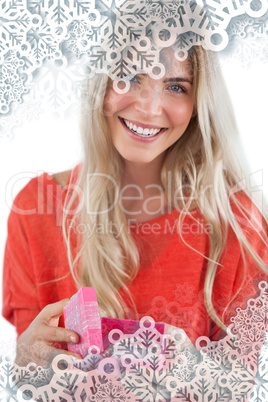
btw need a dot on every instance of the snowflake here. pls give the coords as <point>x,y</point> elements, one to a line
<point>13,378</point>
<point>260,26</point>
<point>184,369</point>
<point>184,293</point>
<point>43,43</point>
<point>240,25</point>
<point>30,110</point>
<point>58,88</point>
<point>249,325</point>
<point>250,51</point>
<point>11,83</point>
<point>221,302</point>
<point>8,126</point>
<point>15,21</point>
<point>81,38</point>
<point>118,37</point>
<point>165,10</point>
<point>260,392</point>
<point>149,366</point>
<point>61,12</point>
<point>112,391</point>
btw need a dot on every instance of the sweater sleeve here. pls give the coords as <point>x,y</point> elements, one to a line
<point>20,300</point>
<point>242,271</point>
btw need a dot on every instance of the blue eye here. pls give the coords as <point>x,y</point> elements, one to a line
<point>134,79</point>
<point>177,88</point>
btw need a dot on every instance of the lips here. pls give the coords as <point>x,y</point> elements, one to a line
<point>141,129</point>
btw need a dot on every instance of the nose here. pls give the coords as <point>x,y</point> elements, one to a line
<point>149,102</point>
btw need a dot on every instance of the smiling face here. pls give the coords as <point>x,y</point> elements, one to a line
<point>153,114</point>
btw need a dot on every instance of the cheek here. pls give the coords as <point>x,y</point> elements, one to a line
<point>109,103</point>
<point>115,102</point>
<point>180,114</point>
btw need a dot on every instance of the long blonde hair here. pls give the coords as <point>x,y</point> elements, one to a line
<point>201,159</point>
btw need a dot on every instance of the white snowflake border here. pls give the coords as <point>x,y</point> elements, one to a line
<point>148,366</point>
<point>117,37</point>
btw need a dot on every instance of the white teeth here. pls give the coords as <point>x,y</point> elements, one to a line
<point>142,132</point>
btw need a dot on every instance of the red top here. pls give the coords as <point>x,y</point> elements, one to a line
<point>169,284</point>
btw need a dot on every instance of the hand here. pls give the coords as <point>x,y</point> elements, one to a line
<point>36,343</point>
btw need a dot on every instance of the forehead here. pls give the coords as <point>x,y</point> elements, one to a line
<point>174,67</point>
<point>168,68</point>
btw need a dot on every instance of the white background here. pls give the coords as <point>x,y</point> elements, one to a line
<point>52,146</point>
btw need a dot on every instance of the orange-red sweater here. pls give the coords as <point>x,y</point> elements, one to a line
<point>169,285</point>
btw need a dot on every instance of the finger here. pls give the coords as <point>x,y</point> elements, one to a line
<point>40,353</point>
<point>52,310</point>
<point>50,334</point>
<point>54,352</point>
<point>73,354</point>
<point>45,357</point>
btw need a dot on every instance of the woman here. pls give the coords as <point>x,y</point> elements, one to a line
<point>155,208</point>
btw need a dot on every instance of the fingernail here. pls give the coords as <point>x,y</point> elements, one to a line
<point>73,339</point>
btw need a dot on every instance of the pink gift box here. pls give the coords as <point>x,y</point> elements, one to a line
<point>126,326</point>
<point>81,315</point>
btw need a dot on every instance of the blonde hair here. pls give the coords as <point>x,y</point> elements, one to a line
<point>201,159</point>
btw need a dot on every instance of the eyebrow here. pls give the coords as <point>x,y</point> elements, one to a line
<point>178,79</point>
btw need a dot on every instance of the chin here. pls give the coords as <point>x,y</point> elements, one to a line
<point>138,159</point>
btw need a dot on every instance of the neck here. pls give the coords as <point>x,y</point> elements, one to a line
<point>142,191</point>
<point>143,174</point>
